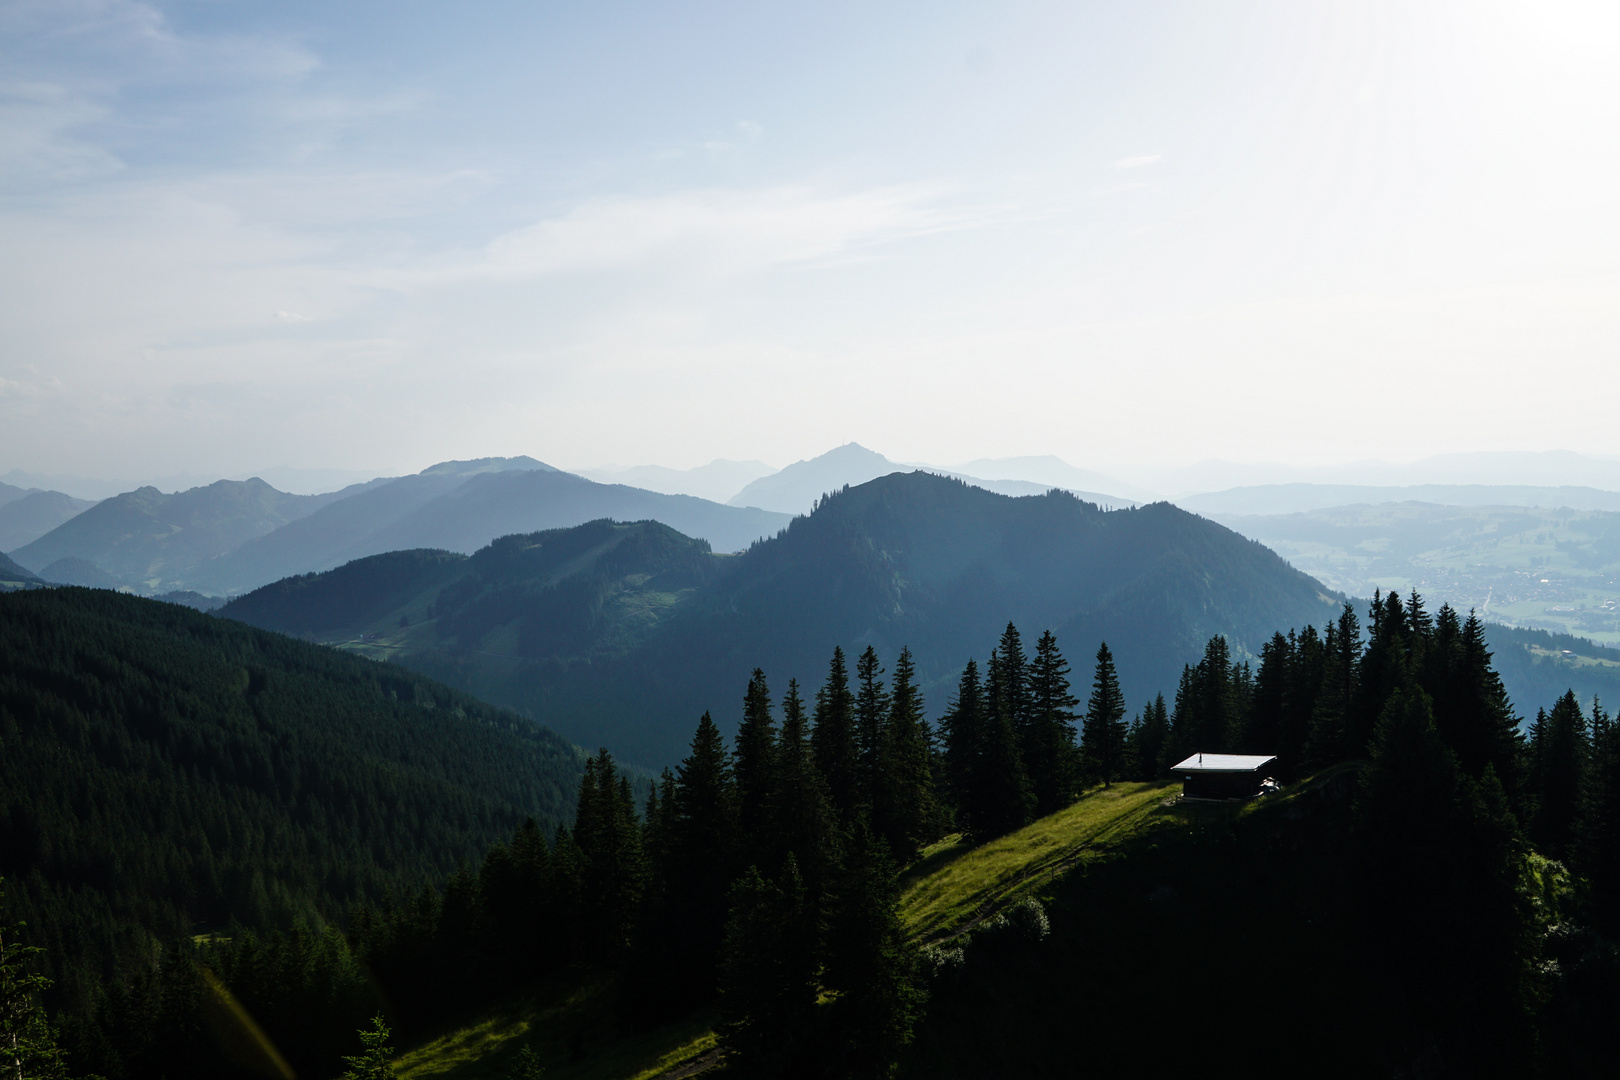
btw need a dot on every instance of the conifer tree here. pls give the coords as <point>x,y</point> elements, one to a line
<point>907,812</point>
<point>1102,740</point>
<point>768,973</point>
<point>1006,687</point>
<point>963,732</point>
<point>376,1061</point>
<point>609,838</point>
<point>1148,740</point>
<point>1333,720</point>
<point>1184,721</point>
<point>871,728</point>
<point>754,766</point>
<point>1050,751</point>
<point>1002,799</point>
<point>1488,733</point>
<point>682,945</point>
<point>1599,834</point>
<point>872,962</point>
<point>834,742</point>
<point>1387,664</point>
<point>28,1047</point>
<point>802,821</point>
<point>1263,732</point>
<point>567,892</point>
<point>1304,686</point>
<point>1560,752</point>
<point>1452,936</point>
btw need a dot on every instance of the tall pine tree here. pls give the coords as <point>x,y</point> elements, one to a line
<point>1050,753</point>
<point>1102,741</point>
<point>1560,750</point>
<point>835,743</point>
<point>907,810</point>
<point>754,767</point>
<point>871,728</point>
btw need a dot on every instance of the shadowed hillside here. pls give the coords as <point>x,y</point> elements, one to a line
<point>164,772</point>
<point>906,560</point>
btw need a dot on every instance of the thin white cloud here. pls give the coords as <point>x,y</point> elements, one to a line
<point>1139,161</point>
<point>716,231</point>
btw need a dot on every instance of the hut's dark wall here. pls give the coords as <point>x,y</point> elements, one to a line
<point>1230,785</point>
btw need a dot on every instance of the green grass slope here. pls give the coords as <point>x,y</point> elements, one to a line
<point>953,887</point>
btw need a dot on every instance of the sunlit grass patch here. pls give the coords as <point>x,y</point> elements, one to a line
<point>574,1031</point>
<point>954,883</point>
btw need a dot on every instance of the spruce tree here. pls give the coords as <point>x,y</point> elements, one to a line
<point>1050,751</point>
<point>703,829</point>
<point>1598,854</point>
<point>907,814</point>
<point>376,1060</point>
<point>1387,664</point>
<point>1002,799</point>
<point>1452,939</point>
<point>1220,704</point>
<point>1304,685</point>
<point>768,973</point>
<point>754,766</point>
<point>802,821</point>
<point>1559,754</point>
<point>871,729</point>
<point>1333,721</point>
<point>1147,742</point>
<point>1488,735</point>
<point>608,834</point>
<point>962,731</point>
<point>1007,690</point>
<point>834,742</point>
<point>1184,720</point>
<point>1102,740</point>
<point>28,1047</point>
<point>872,963</point>
<point>1264,731</point>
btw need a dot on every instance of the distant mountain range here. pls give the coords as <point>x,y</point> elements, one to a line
<point>148,540</point>
<point>36,514</point>
<point>232,536</point>
<point>621,635</point>
<point>228,537</point>
<point>717,481</point>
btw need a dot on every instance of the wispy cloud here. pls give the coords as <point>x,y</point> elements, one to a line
<point>717,231</point>
<point>1139,161</point>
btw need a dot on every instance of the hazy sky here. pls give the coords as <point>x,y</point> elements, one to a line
<point>376,235</point>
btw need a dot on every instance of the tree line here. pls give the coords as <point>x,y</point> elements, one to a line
<point>764,877</point>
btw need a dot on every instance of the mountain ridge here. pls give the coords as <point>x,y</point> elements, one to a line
<point>909,559</point>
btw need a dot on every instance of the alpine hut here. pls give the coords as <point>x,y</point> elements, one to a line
<point>1223,776</point>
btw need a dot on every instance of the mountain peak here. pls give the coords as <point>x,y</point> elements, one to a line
<point>521,463</point>
<point>796,488</point>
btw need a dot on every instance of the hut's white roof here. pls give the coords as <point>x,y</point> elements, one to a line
<point>1224,762</point>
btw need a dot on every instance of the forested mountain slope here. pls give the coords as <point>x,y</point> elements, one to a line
<point>906,560</point>
<point>163,772</point>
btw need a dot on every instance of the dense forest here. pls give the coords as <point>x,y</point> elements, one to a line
<point>164,773</point>
<point>1445,903</point>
